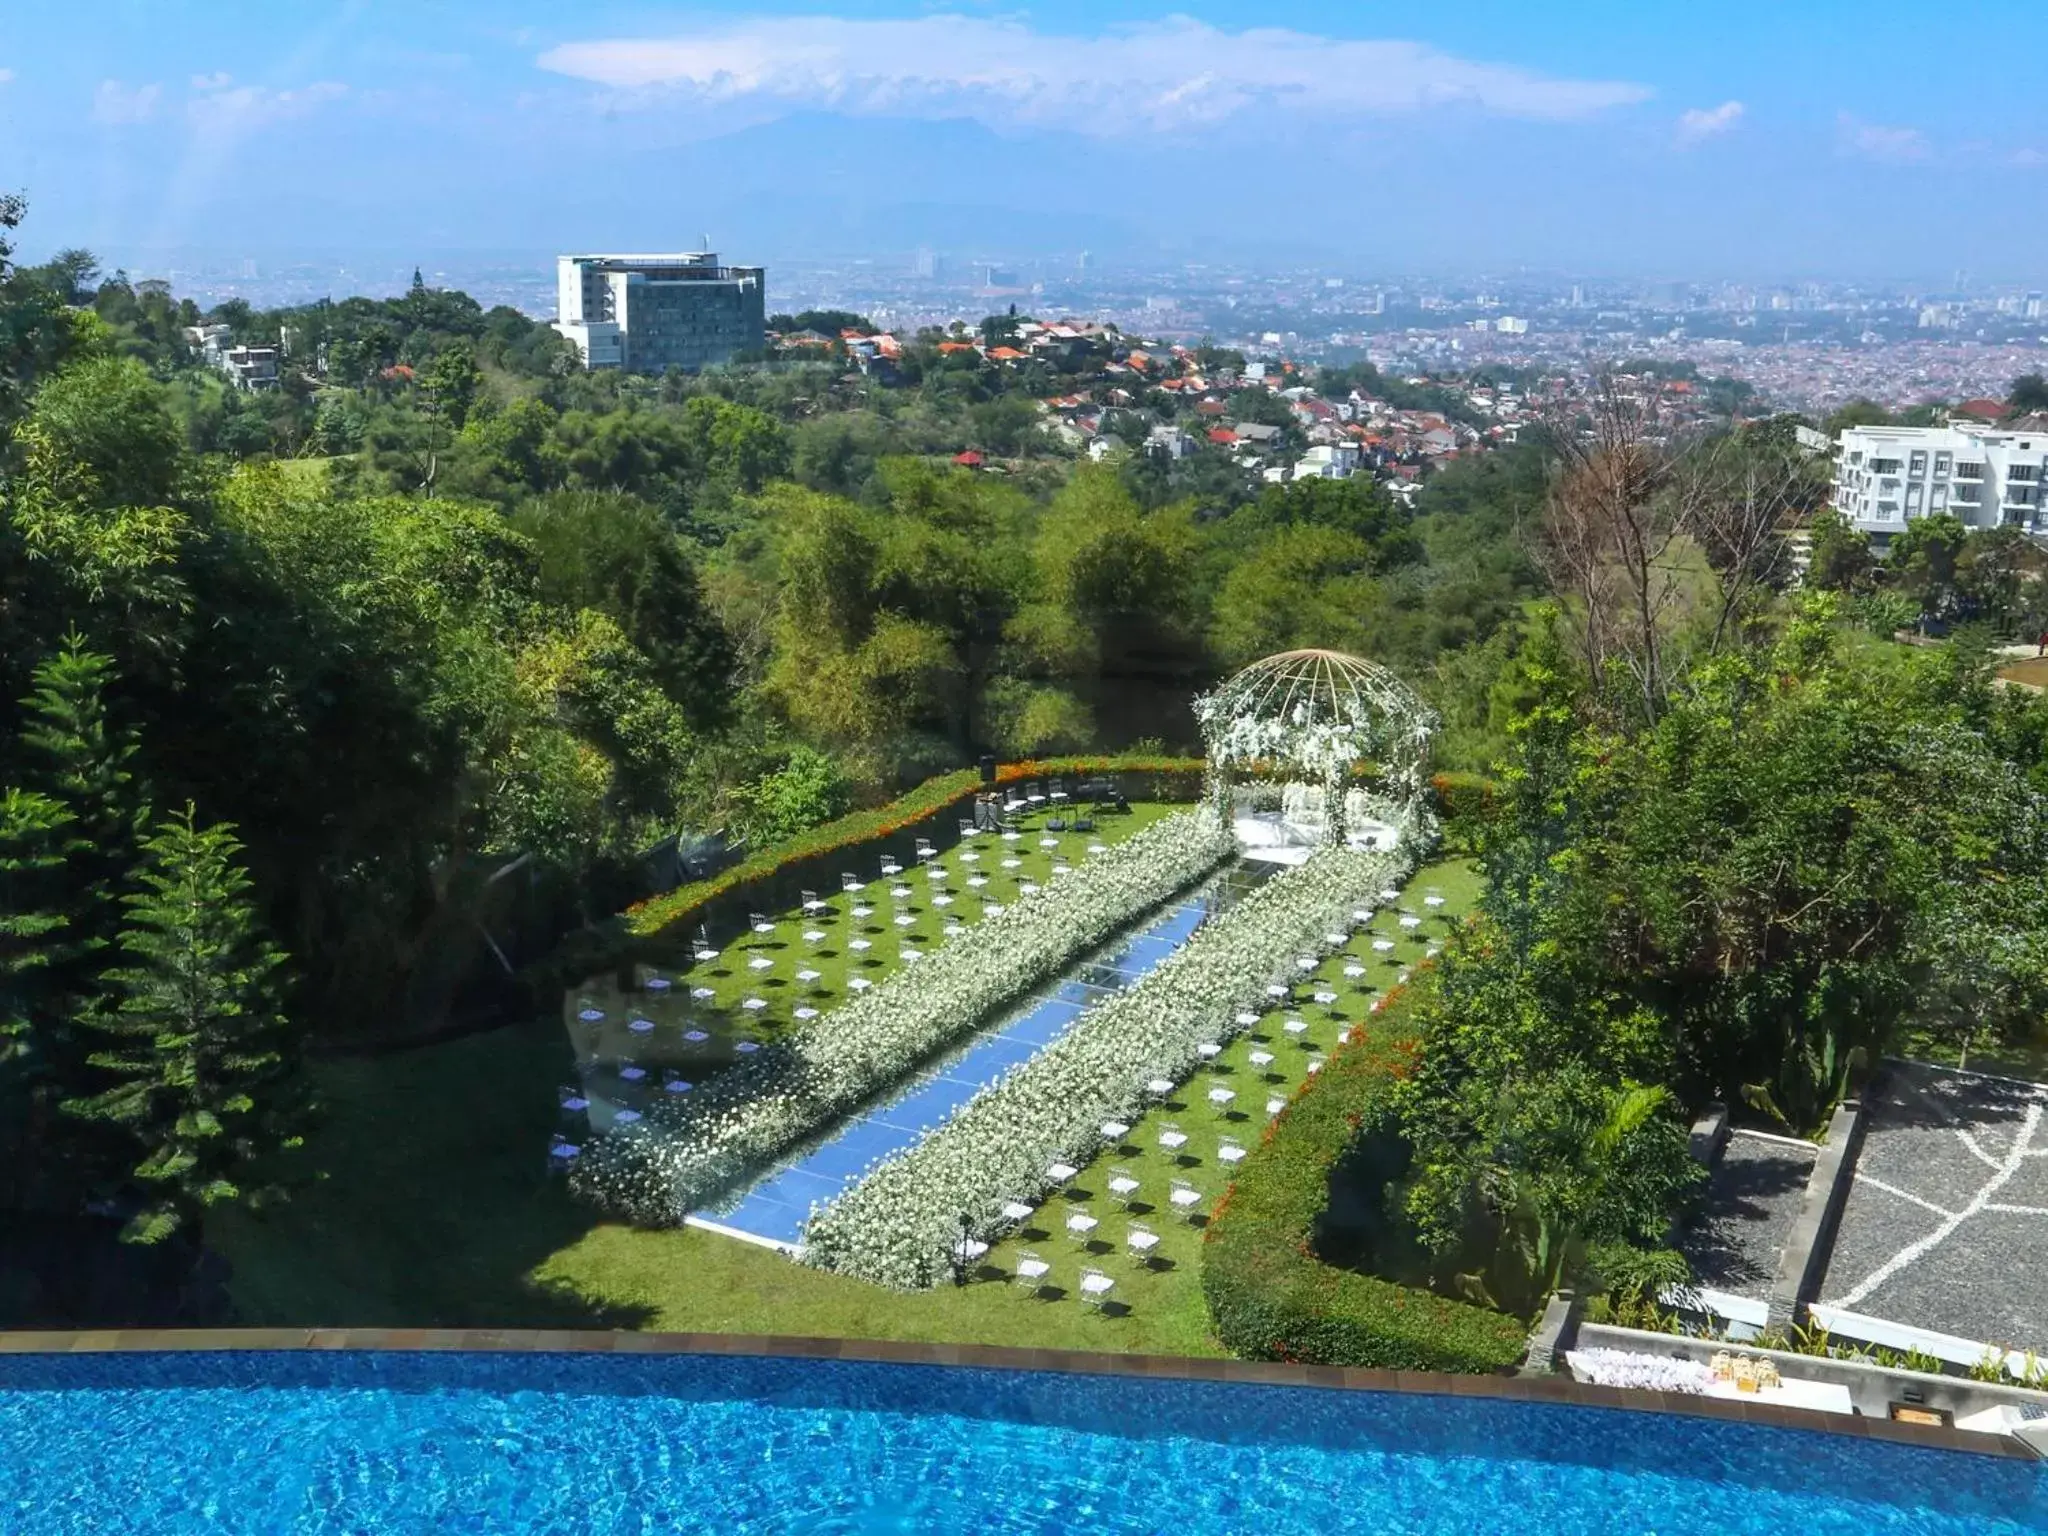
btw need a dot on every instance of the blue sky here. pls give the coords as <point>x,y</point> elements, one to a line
<point>1743,139</point>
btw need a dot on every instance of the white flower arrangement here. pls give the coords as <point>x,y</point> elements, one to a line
<point>687,1152</point>
<point>1313,717</point>
<point>899,1224</point>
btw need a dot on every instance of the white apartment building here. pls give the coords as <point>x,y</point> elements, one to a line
<point>648,314</point>
<point>1985,476</point>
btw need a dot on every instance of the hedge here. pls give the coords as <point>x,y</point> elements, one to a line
<point>931,798</point>
<point>1271,1298</point>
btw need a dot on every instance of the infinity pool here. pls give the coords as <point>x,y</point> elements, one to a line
<point>375,1442</point>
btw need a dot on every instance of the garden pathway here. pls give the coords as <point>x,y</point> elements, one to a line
<point>773,1209</point>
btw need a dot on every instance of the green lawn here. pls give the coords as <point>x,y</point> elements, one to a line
<point>439,1211</point>
<point>769,968</point>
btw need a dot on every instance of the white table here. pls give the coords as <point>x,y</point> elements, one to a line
<point>1816,1396</point>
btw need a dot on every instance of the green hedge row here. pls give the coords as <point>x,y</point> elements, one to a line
<point>1271,1298</point>
<point>1181,775</point>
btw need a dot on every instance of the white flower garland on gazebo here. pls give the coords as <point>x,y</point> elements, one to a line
<point>1311,718</point>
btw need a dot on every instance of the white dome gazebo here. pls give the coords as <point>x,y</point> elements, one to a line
<point>1303,723</point>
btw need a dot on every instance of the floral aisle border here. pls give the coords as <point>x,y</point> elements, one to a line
<point>901,1224</point>
<point>689,1151</point>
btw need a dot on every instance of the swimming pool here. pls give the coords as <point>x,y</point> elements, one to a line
<point>373,1442</point>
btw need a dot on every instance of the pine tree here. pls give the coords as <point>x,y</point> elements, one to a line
<point>194,1037</point>
<point>72,831</point>
<point>34,943</point>
<point>81,759</point>
<point>33,940</point>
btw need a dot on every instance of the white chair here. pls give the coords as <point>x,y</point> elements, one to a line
<point>1123,1184</point>
<point>1159,1087</point>
<point>1095,1287</point>
<point>1261,1058</point>
<point>1172,1137</point>
<point>1221,1097</point>
<point>1016,1210</point>
<point>1228,1151</point>
<point>968,1249</point>
<point>1296,1026</point>
<point>1114,1130</point>
<point>1059,1173</point>
<point>1142,1241</point>
<point>1185,1198</point>
<point>1030,1272</point>
<point>1209,1050</point>
<point>1081,1226</point>
<point>1275,1105</point>
<point>811,903</point>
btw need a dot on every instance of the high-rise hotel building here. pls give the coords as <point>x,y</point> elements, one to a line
<point>648,314</point>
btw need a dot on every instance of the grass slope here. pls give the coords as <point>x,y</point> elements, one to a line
<point>438,1212</point>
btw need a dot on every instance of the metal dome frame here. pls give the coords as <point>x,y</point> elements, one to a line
<point>1315,715</point>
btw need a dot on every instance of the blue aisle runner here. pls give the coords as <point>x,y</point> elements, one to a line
<point>774,1208</point>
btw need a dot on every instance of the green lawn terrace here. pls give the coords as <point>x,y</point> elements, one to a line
<point>688,1278</point>
<point>1135,1212</point>
<point>493,1239</point>
<point>679,1022</point>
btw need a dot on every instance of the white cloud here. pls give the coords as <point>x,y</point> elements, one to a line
<point>115,103</point>
<point>1157,75</point>
<point>213,82</point>
<point>6,76</point>
<point>221,106</point>
<point>1708,122</point>
<point>1874,141</point>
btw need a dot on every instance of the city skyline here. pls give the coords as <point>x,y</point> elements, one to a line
<point>1749,145</point>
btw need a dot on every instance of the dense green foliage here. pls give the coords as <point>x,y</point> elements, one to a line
<point>1816,854</point>
<point>1272,1297</point>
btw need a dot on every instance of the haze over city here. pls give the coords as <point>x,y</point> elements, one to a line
<point>1751,142</point>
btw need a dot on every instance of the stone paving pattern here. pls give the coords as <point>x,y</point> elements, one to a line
<point>1753,1198</point>
<point>1946,1222</point>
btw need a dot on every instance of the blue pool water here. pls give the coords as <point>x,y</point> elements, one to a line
<point>366,1444</point>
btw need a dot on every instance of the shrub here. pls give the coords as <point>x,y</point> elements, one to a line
<point>807,791</point>
<point>1271,1298</point>
<point>1464,801</point>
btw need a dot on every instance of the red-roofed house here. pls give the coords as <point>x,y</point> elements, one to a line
<point>1222,435</point>
<point>1006,354</point>
<point>968,460</point>
<point>1981,410</point>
